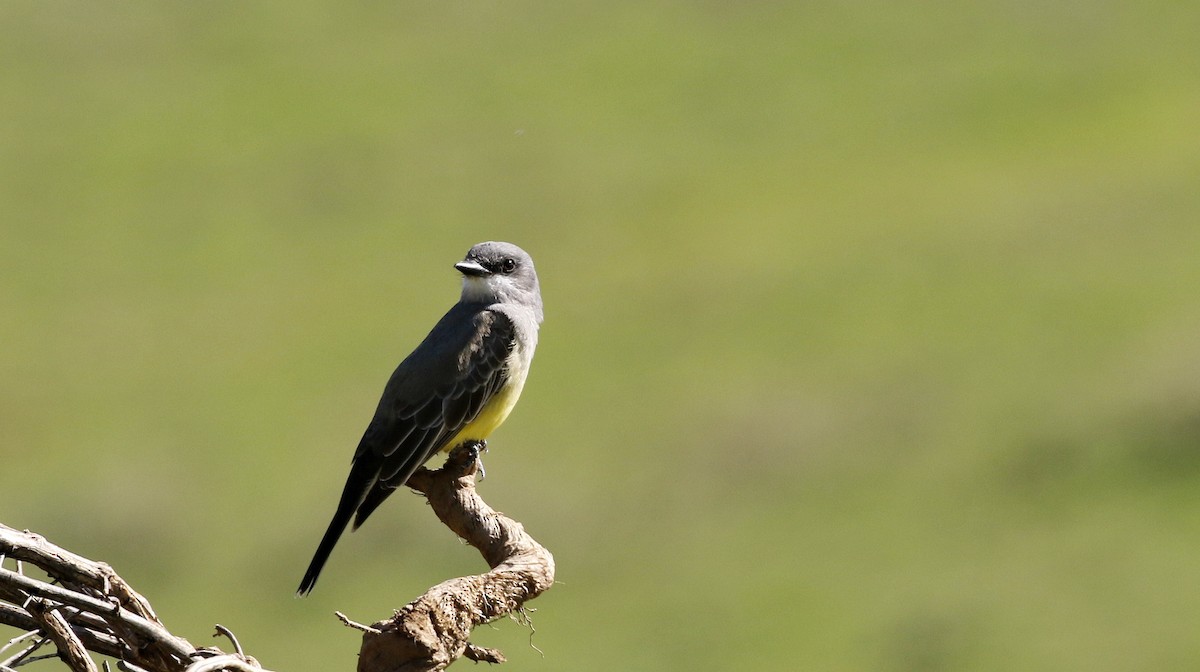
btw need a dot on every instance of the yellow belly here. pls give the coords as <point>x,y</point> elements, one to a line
<point>492,416</point>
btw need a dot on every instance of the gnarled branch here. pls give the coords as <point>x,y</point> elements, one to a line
<point>89,608</point>
<point>432,631</point>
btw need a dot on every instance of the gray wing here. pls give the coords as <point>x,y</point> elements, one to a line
<point>408,431</point>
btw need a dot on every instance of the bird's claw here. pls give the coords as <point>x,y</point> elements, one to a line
<point>478,448</point>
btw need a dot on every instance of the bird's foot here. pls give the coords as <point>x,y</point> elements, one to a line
<point>478,448</point>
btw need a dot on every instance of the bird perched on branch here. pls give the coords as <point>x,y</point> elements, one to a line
<point>458,386</point>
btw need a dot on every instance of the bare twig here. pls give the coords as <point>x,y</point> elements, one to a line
<point>70,568</point>
<point>480,654</point>
<point>222,630</point>
<point>113,613</point>
<point>93,610</point>
<point>8,611</point>
<point>55,626</point>
<point>353,624</point>
<point>88,628</point>
<point>23,654</point>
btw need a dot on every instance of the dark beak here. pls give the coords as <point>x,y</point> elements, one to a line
<point>468,267</point>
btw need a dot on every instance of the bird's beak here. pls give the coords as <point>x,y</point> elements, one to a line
<point>472,268</point>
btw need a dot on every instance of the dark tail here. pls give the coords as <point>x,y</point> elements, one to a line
<point>363,474</point>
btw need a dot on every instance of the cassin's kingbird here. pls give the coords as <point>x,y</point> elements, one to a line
<point>458,385</point>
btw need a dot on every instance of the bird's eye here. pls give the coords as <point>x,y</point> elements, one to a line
<point>508,265</point>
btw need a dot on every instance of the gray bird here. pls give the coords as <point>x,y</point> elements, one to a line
<point>459,385</point>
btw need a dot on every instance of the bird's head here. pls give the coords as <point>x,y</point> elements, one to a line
<point>495,272</point>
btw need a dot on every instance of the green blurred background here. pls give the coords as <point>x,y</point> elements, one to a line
<point>872,337</point>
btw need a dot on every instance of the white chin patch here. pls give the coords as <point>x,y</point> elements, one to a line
<point>478,288</point>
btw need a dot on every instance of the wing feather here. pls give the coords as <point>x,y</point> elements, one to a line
<point>429,422</point>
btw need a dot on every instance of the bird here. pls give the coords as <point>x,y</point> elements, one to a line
<point>457,386</point>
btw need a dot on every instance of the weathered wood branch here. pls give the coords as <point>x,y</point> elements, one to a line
<point>432,631</point>
<point>69,568</point>
<point>70,649</point>
<point>89,608</point>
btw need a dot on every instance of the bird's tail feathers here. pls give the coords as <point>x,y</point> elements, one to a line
<point>363,475</point>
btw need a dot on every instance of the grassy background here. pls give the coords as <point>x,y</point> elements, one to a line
<point>872,335</point>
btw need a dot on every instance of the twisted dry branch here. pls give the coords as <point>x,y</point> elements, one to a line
<point>86,607</point>
<point>432,631</point>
